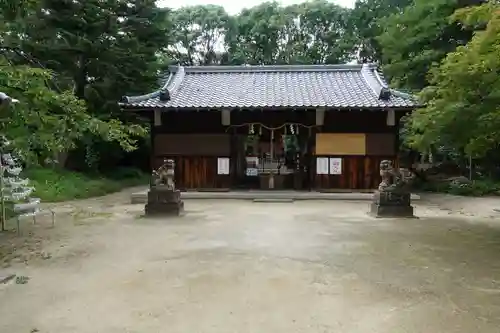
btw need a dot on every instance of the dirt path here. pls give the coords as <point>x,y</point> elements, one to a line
<point>74,217</point>
<point>481,207</point>
<point>238,266</point>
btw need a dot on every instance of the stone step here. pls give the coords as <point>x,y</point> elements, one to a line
<point>141,197</point>
<point>273,200</point>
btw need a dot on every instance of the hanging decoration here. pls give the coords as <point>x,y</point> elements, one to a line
<point>293,129</point>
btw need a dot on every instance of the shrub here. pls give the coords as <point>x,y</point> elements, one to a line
<point>126,173</point>
<point>61,185</point>
<point>475,188</point>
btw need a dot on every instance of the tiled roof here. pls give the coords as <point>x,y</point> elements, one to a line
<point>338,86</point>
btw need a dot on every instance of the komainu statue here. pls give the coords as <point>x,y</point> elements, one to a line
<point>392,179</point>
<point>163,198</point>
<point>393,196</point>
<point>165,175</point>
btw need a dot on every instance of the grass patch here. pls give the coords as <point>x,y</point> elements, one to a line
<point>52,185</point>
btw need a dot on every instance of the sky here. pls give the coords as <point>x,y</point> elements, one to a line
<point>235,6</point>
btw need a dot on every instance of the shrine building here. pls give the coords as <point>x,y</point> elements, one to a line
<point>301,127</point>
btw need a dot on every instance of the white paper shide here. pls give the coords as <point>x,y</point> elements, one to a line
<point>223,166</point>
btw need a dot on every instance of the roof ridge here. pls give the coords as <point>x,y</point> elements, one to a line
<point>177,80</point>
<point>380,78</point>
<point>268,68</point>
<point>375,81</point>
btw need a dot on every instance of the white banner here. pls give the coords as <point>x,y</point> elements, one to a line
<point>322,165</point>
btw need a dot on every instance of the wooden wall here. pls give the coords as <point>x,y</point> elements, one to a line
<point>197,173</point>
<point>192,144</point>
<point>361,154</point>
<point>358,172</point>
<point>195,157</point>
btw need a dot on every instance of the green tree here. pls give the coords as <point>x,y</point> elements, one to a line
<point>107,47</point>
<point>311,32</point>
<point>100,50</point>
<point>44,122</point>
<point>366,25</point>
<point>419,36</point>
<point>254,35</point>
<point>324,34</point>
<point>198,35</point>
<point>463,99</point>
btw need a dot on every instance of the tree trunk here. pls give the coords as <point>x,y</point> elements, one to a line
<point>62,158</point>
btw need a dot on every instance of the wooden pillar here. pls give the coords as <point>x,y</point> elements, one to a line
<point>226,122</point>
<point>320,121</point>
<point>312,158</point>
<point>155,122</point>
<point>391,118</point>
<point>233,157</point>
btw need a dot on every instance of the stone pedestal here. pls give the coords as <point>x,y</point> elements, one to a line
<point>391,204</point>
<point>164,201</point>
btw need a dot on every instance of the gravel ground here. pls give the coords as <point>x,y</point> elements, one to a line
<point>238,266</point>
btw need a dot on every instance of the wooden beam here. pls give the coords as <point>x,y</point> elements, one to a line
<point>157,118</point>
<point>391,118</point>
<point>320,116</point>
<point>225,117</point>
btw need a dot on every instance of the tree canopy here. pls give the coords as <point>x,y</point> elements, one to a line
<point>463,98</point>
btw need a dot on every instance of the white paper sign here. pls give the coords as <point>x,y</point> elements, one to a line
<point>223,166</point>
<point>251,172</point>
<point>322,165</point>
<point>335,166</point>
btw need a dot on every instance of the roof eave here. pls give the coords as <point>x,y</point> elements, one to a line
<point>380,87</point>
<point>404,95</point>
<point>132,107</point>
<point>164,93</point>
